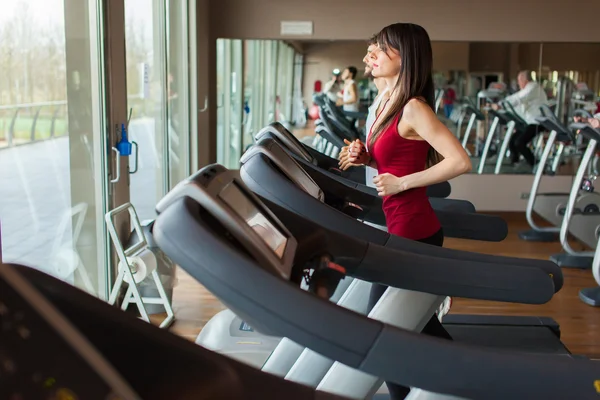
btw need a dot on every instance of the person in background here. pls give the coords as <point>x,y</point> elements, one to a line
<point>449,99</point>
<point>333,87</point>
<point>593,122</point>
<point>526,102</point>
<point>382,92</point>
<point>349,98</point>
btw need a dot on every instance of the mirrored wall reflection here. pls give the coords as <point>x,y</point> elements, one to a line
<point>481,95</point>
<point>258,82</point>
<point>499,123</point>
<point>321,86</point>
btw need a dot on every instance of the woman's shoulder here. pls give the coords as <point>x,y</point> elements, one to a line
<point>416,106</point>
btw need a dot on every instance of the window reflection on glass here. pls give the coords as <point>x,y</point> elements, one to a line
<point>157,94</point>
<point>257,83</point>
<point>52,188</point>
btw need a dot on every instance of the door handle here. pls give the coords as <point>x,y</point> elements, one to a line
<point>205,105</point>
<point>117,165</point>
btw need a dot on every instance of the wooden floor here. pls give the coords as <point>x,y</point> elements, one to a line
<point>580,323</point>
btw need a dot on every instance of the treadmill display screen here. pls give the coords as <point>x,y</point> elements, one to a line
<point>245,208</point>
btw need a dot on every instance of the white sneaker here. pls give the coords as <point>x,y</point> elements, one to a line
<point>444,308</point>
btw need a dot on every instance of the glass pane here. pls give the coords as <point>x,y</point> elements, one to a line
<point>236,106</point>
<point>178,92</point>
<point>281,80</point>
<point>221,89</point>
<point>270,73</point>
<point>249,80</point>
<point>289,79</point>
<point>230,107</point>
<point>52,142</point>
<point>146,51</point>
<point>254,88</point>
<point>299,116</point>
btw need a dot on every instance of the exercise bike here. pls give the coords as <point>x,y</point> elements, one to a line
<point>549,206</point>
<point>582,212</point>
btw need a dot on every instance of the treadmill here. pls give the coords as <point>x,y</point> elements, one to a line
<point>363,202</point>
<point>216,229</point>
<point>309,155</point>
<point>287,186</point>
<point>59,342</point>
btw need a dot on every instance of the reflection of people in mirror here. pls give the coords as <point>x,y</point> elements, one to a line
<point>593,122</point>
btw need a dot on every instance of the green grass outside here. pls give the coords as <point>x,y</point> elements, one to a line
<point>22,129</point>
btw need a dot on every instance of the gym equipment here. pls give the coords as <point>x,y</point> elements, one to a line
<point>271,172</point>
<point>546,205</point>
<point>111,355</point>
<point>224,332</point>
<point>305,154</point>
<point>500,121</point>
<point>475,115</point>
<point>582,213</point>
<point>331,130</point>
<point>591,296</point>
<point>70,365</point>
<point>204,227</point>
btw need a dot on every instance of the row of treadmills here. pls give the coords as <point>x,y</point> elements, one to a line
<point>284,244</point>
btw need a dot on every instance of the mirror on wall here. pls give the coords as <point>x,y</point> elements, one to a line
<point>462,73</point>
<point>299,83</point>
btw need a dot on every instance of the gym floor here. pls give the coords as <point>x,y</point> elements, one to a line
<point>579,323</point>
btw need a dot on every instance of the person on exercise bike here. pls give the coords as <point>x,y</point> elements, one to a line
<point>526,102</point>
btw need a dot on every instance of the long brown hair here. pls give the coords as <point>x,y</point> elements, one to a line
<point>412,42</point>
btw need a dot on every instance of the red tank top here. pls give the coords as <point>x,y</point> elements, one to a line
<point>408,214</point>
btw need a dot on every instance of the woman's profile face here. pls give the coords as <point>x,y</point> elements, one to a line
<point>386,64</point>
<point>367,58</point>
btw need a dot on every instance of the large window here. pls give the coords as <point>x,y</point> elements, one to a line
<point>258,82</point>
<point>66,87</point>
<point>53,187</point>
<point>157,98</point>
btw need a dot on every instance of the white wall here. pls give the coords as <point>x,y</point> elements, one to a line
<point>503,192</point>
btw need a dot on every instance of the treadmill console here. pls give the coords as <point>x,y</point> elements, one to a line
<point>241,204</point>
<point>226,197</point>
<point>42,356</point>
<point>286,164</point>
<point>277,131</point>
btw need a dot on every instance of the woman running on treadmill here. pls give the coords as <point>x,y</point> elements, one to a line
<point>410,148</point>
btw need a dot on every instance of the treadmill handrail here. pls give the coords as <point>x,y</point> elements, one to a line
<point>587,131</point>
<point>441,190</point>
<point>196,370</point>
<point>394,354</point>
<point>365,195</point>
<point>481,279</point>
<point>492,275</point>
<point>552,125</point>
<point>278,130</point>
<point>285,194</point>
<point>456,224</point>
